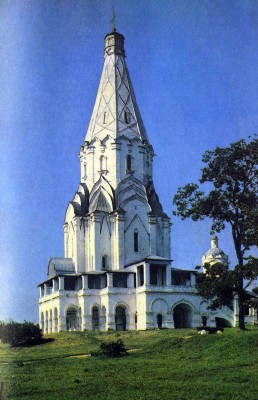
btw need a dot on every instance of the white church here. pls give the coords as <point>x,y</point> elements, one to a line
<point>116,272</point>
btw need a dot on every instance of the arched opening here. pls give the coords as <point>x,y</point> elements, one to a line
<point>46,322</point>
<point>159,320</point>
<point>183,316</point>
<point>120,318</point>
<point>50,321</point>
<point>55,320</point>
<point>71,319</point>
<point>95,318</point>
<point>42,322</point>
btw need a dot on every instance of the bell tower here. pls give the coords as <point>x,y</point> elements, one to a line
<point>115,217</point>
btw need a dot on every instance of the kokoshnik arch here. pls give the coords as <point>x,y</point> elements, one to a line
<point>116,272</point>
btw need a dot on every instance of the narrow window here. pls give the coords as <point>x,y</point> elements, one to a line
<point>126,117</point>
<point>104,262</point>
<point>105,117</point>
<point>136,241</point>
<point>129,162</point>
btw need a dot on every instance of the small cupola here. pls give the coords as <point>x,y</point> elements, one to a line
<point>114,44</point>
<point>214,254</point>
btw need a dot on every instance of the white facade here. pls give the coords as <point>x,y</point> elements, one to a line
<point>116,272</point>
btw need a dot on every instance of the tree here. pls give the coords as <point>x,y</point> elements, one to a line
<point>232,178</point>
<point>20,334</point>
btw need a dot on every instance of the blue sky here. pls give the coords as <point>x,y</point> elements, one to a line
<point>194,68</point>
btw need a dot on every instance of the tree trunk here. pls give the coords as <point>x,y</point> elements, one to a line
<point>240,278</point>
<point>241,323</point>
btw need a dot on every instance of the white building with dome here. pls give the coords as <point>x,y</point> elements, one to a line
<point>116,271</point>
<point>214,255</point>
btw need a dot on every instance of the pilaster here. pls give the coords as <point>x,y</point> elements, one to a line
<point>116,162</point>
<point>118,242</point>
<point>166,226</point>
<point>193,279</point>
<point>55,285</point>
<point>91,166</point>
<point>62,323</point>
<point>109,280</point>
<point>130,281</point>
<point>85,282</point>
<point>170,321</point>
<point>65,228</point>
<point>168,275</point>
<point>79,244</point>
<point>95,240</point>
<point>61,282</point>
<point>146,268</point>
<point>153,234</point>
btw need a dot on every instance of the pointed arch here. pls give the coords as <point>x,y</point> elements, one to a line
<point>101,196</point>
<point>138,219</point>
<point>159,306</point>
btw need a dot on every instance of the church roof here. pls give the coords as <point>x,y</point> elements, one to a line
<point>58,266</point>
<point>115,112</point>
<point>214,252</point>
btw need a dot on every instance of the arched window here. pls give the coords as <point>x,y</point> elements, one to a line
<point>129,162</point>
<point>136,240</point>
<point>95,318</point>
<point>71,319</point>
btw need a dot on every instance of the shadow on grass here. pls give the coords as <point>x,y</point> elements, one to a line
<point>36,343</point>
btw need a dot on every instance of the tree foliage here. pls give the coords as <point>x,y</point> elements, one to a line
<point>20,334</point>
<point>111,349</point>
<point>232,178</point>
<point>217,284</point>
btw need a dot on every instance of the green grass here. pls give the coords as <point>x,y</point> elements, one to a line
<point>166,364</point>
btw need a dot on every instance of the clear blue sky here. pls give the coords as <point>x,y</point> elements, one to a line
<point>194,68</point>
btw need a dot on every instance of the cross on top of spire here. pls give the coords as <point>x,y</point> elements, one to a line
<point>113,19</point>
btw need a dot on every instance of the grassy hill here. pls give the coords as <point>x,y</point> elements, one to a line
<point>166,364</point>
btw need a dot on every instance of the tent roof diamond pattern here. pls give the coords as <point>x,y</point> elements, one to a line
<point>116,97</point>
